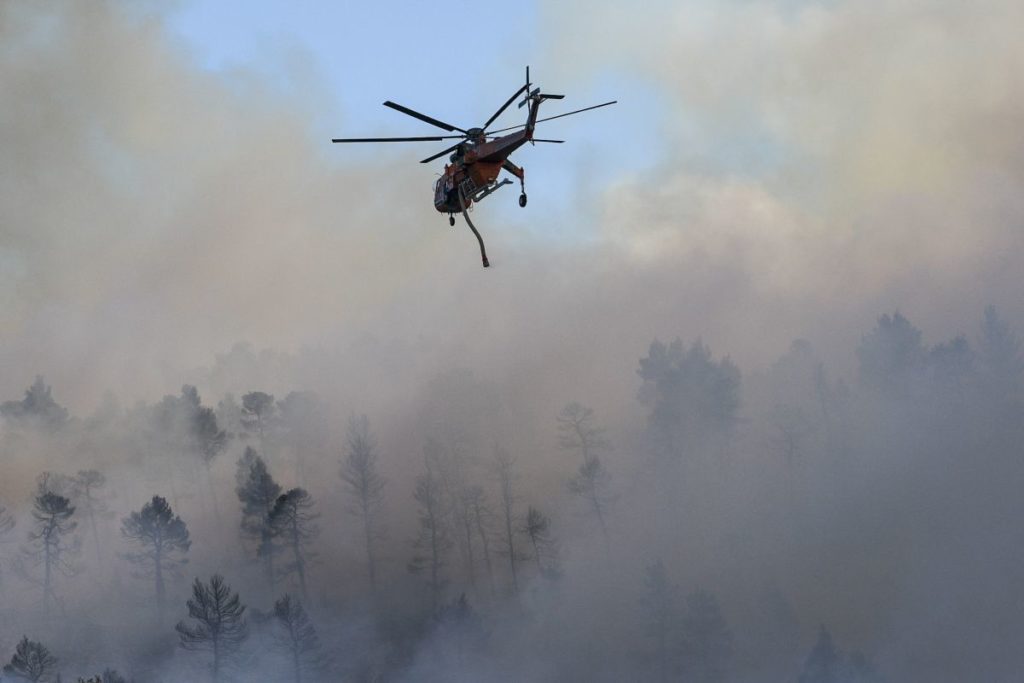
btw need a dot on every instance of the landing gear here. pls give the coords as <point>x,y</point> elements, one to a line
<point>451,220</point>
<point>518,173</point>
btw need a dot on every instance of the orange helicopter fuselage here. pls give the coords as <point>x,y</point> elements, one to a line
<point>477,165</point>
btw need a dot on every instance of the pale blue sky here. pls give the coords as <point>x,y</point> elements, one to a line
<point>456,61</point>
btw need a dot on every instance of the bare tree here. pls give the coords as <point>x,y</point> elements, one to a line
<point>577,432</point>
<point>220,627</point>
<point>297,636</point>
<point>503,463</point>
<point>87,486</point>
<point>32,661</point>
<point>292,524</point>
<point>451,465</point>
<point>258,492</point>
<point>366,485</point>
<point>161,537</point>
<point>481,517</point>
<point>48,544</point>
<point>432,542</point>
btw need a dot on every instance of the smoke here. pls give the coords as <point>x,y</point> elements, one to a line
<point>820,163</point>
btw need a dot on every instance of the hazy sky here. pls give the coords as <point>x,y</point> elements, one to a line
<point>773,170</point>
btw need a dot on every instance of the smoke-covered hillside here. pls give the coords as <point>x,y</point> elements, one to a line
<point>791,524</point>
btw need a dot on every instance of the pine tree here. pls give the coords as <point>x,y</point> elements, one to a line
<point>220,627</point>
<point>693,399</point>
<point>707,640</point>
<point>297,636</point>
<point>366,486</point>
<point>591,483</point>
<point>258,492</point>
<point>537,528</point>
<point>458,632</point>
<point>186,425</point>
<point>660,618</point>
<point>112,676</point>
<point>481,518</point>
<point>292,525</point>
<point>108,676</point>
<point>161,537</point>
<point>577,432</point>
<point>48,544</point>
<point>87,485</point>
<point>38,409</point>
<point>1002,366</point>
<point>257,410</point>
<point>6,522</point>
<point>432,542</point>
<point>32,661</point>
<point>824,664</point>
<point>503,463</point>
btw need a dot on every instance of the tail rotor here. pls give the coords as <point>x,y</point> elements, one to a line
<point>530,94</point>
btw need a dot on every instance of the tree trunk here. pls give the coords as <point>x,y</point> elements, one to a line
<point>600,519</point>
<point>296,663</point>
<point>511,549</point>
<point>487,550</point>
<point>47,579</point>
<point>368,532</point>
<point>92,525</point>
<point>158,570</point>
<point>469,547</point>
<point>536,553</point>
<point>435,564</point>
<point>268,557</point>
<point>216,659</point>
<point>300,566</point>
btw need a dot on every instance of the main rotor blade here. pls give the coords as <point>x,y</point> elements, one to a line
<point>432,138</point>
<point>540,140</point>
<point>552,118</point>
<point>504,107</point>
<point>441,153</point>
<point>422,117</point>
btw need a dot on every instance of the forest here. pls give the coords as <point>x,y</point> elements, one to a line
<point>792,523</point>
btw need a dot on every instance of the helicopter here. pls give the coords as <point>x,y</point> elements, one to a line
<point>479,156</point>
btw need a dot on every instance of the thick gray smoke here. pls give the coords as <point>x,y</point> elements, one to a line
<point>823,164</point>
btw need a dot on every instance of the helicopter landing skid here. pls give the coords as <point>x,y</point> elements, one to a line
<point>465,214</point>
